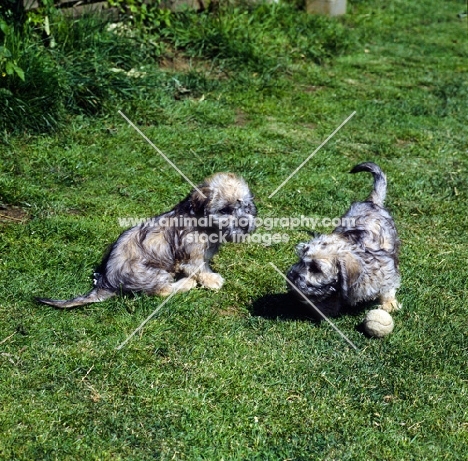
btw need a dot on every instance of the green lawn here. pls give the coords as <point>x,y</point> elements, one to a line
<point>242,374</point>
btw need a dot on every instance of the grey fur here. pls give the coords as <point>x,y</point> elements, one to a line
<point>157,258</point>
<point>355,263</point>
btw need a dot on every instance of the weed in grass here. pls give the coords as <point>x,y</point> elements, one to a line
<point>86,70</point>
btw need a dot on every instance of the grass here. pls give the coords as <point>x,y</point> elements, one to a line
<point>239,374</point>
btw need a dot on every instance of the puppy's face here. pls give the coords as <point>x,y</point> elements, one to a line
<point>228,202</point>
<point>326,269</point>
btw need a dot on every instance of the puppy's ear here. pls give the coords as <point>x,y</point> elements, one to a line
<point>350,272</point>
<point>354,235</point>
<point>199,198</point>
<point>301,249</point>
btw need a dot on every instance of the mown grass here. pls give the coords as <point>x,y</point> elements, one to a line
<point>242,373</point>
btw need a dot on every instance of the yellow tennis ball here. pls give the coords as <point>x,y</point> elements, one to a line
<point>378,323</point>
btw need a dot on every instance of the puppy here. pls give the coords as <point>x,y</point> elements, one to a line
<point>357,262</point>
<point>172,251</point>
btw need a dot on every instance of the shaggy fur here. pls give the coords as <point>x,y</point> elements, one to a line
<point>355,263</point>
<point>157,257</point>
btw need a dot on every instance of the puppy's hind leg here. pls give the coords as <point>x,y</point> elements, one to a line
<point>155,281</point>
<point>202,273</point>
<point>389,302</point>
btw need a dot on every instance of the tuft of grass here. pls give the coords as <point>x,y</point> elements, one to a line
<point>86,66</point>
<point>83,68</point>
<point>242,37</point>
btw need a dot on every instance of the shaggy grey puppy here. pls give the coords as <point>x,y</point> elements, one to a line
<point>357,262</point>
<point>158,257</point>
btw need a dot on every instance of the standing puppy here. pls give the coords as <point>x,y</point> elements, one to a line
<point>357,262</point>
<point>158,256</point>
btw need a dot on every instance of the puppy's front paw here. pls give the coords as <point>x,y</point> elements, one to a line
<point>391,305</point>
<point>212,281</point>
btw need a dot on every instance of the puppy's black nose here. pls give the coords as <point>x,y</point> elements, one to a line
<point>246,223</point>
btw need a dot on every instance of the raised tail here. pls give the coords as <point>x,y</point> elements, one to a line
<point>96,295</point>
<point>379,192</point>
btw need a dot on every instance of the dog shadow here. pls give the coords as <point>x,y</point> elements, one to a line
<point>284,306</point>
<point>281,306</point>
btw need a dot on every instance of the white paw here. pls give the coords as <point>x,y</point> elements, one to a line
<point>211,280</point>
<point>165,290</point>
<point>391,306</point>
<point>181,286</point>
<point>184,284</point>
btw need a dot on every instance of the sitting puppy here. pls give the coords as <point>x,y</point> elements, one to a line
<point>357,262</point>
<point>172,251</point>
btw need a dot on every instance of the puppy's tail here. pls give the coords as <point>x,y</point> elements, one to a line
<point>377,196</point>
<point>96,295</point>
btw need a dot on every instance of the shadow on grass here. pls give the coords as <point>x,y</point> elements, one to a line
<point>284,306</point>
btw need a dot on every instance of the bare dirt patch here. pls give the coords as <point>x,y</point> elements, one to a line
<point>12,214</point>
<point>177,62</point>
<point>241,118</point>
<point>312,88</point>
<point>403,142</point>
<point>231,311</point>
<point>309,126</point>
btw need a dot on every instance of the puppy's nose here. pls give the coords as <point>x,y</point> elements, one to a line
<point>300,283</point>
<point>247,223</point>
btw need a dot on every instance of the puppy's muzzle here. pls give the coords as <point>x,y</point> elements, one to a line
<point>240,223</point>
<point>319,292</point>
<point>246,223</point>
